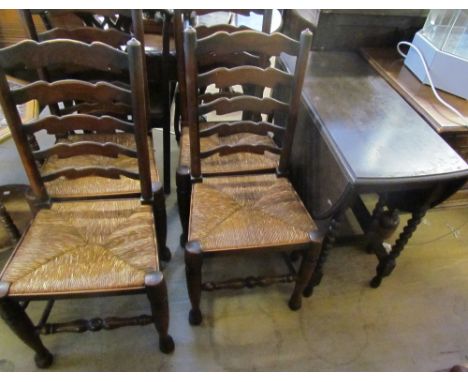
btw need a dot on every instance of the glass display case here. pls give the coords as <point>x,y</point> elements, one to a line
<point>443,42</point>
<point>448,31</point>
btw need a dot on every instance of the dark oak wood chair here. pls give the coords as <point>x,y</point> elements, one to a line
<point>98,246</point>
<point>253,213</point>
<point>231,164</point>
<point>115,28</point>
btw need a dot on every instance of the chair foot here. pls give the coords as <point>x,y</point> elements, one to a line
<point>195,317</point>
<point>43,361</point>
<point>166,255</point>
<point>183,239</point>
<point>308,291</point>
<point>166,345</point>
<point>376,281</point>
<point>295,304</point>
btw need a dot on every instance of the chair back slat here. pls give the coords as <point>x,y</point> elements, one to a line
<point>240,148</point>
<point>206,30</point>
<point>30,54</point>
<point>225,105</point>
<point>71,90</point>
<point>212,61</point>
<point>210,97</point>
<point>71,123</point>
<point>229,128</point>
<point>120,109</point>
<point>248,41</point>
<point>104,172</point>
<point>119,19</point>
<point>67,150</point>
<point>112,37</point>
<point>225,77</point>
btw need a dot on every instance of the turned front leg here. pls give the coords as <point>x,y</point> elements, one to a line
<point>193,267</point>
<point>156,291</point>
<point>19,322</point>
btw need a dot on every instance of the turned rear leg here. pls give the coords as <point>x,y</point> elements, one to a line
<point>160,218</point>
<point>184,189</point>
<point>305,273</point>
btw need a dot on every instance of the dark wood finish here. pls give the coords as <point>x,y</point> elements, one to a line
<point>47,93</point>
<point>247,282</point>
<point>157,294</point>
<point>356,135</point>
<point>390,65</point>
<point>228,128</point>
<point>94,324</point>
<point>58,125</point>
<point>153,284</point>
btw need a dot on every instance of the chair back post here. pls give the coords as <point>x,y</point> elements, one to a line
<point>15,124</point>
<point>139,33</point>
<point>166,36</point>
<point>296,91</point>
<point>190,44</point>
<point>179,42</point>
<point>140,117</point>
<point>28,24</point>
<point>266,23</point>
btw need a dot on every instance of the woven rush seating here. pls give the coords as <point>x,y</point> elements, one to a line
<point>93,185</point>
<point>218,164</point>
<point>247,211</point>
<point>90,252</point>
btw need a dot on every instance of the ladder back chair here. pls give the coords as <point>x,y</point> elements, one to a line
<point>253,213</point>
<point>82,247</point>
<point>115,28</point>
<point>231,164</point>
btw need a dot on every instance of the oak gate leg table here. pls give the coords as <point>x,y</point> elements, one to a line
<point>355,136</point>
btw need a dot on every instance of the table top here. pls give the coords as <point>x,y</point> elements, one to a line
<point>377,136</point>
<point>389,64</point>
